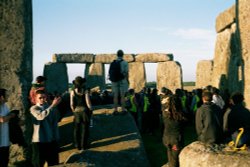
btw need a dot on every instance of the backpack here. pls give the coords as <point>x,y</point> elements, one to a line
<point>115,74</point>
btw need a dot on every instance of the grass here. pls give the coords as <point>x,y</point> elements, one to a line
<point>156,151</point>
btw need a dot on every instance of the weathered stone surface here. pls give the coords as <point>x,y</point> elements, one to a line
<point>203,67</point>
<point>108,58</point>
<point>73,58</point>
<point>244,31</point>
<point>222,57</point>
<point>225,19</point>
<point>57,77</point>
<point>16,56</point>
<point>137,76</point>
<point>153,57</point>
<point>95,75</point>
<point>169,75</point>
<point>200,155</point>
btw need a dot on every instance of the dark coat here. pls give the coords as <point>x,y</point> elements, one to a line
<point>209,119</point>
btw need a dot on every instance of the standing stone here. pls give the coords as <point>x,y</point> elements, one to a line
<point>243,14</point>
<point>222,57</point>
<point>16,57</point>
<point>203,67</point>
<point>57,77</point>
<point>95,75</point>
<point>137,76</point>
<point>169,75</point>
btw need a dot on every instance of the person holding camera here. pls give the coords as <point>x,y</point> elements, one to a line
<point>45,130</point>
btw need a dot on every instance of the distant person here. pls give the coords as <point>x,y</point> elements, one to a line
<point>173,118</point>
<point>45,131</point>
<point>38,85</point>
<point>154,111</point>
<point>217,99</point>
<point>5,116</point>
<point>118,75</point>
<point>209,121</point>
<point>81,106</point>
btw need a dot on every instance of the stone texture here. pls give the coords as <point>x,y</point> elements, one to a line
<point>95,75</point>
<point>203,67</point>
<point>73,58</point>
<point>137,76</point>
<point>57,77</point>
<point>169,74</point>
<point>16,56</point>
<point>225,19</point>
<point>244,36</point>
<point>222,57</point>
<point>153,57</point>
<point>108,58</point>
<point>200,155</point>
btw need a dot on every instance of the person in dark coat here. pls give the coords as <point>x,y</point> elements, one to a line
<point>209,121</point>
<point>239,116</point>
<point>173,129</point>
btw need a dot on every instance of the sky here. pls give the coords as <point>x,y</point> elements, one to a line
<point>185,28</point>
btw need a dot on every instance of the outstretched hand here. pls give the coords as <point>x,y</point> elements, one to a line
<point>56,101</point>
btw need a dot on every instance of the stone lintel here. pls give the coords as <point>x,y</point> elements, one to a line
<point>153,57</point>
<point>108,58</point>
<point>73,58</point>
<point>225,19</point>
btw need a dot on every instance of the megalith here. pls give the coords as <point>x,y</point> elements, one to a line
<point>95,75</point>
<point>153,57</point>
<point>243,15</point>
<point>169,75</point>
<point>16,58</point>
<point>57,78</point>
<point>137,76</point>
<point>204,67</point>
<point>199,154</point>
<point>73,58</point>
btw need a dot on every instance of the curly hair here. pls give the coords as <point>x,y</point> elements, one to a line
<point>174,109</point>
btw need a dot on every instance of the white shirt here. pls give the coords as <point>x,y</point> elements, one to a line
<point>217,99</point>
<point>4,127</point>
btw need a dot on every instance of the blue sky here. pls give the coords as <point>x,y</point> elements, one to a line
<point>185,28</point>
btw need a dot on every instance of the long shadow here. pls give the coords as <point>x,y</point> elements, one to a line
<point>125,158</point>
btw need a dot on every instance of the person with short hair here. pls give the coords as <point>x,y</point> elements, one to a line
<point>208,120</point>
<point>45,131</point>
<point>120,87</point>
<point>239,115</point>
<point>5,116</point>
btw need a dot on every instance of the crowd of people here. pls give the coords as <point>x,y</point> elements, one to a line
<point>216,118</point>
